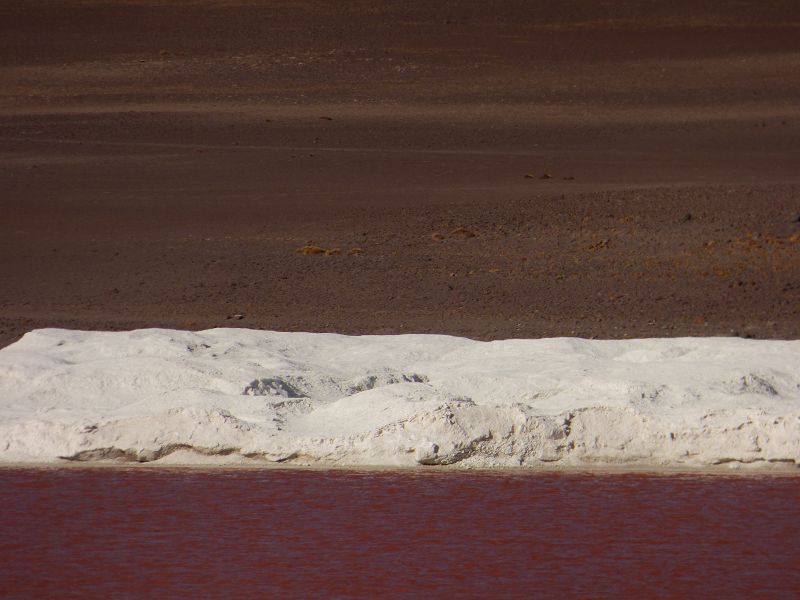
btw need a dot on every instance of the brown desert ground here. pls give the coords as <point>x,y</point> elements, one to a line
<point>614,169</point>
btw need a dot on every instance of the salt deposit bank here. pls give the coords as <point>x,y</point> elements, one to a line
<point>242,396</point>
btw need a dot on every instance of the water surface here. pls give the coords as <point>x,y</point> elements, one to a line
<point>246,533</point>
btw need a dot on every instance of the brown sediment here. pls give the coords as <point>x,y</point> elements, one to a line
<point>162,163</point>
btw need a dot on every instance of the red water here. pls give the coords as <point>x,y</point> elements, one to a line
<point>241,533</point>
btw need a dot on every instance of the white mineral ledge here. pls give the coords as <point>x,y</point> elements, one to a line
<point>259,397</point>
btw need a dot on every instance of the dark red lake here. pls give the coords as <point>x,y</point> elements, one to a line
<point>245,533</point>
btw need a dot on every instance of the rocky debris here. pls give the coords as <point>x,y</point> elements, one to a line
<point>462,233</point>
<point>459,233</point>
<point>311,249</point>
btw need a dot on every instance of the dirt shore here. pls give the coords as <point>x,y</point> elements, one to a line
<point>492,170</point>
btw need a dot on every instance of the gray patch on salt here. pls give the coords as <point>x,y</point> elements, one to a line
<point>375,380</point>
<point>427,453</point>
<point>754,384</point>
<point>143,455</point>
<point>271,386</point>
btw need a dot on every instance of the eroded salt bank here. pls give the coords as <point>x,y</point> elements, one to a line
<point>303,398</point>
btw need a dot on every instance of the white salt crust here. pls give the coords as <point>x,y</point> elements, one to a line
<point>241,396</point>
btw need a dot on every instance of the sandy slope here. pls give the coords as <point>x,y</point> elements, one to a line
<point>162,162</point>
<point>266,397</point>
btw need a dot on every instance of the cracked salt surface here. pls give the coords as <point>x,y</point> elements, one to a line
<point>237,395</point>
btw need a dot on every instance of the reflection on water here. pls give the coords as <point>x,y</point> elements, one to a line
<point>103,533</point>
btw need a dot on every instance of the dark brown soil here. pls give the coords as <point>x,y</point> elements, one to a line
<point>487,169</point>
